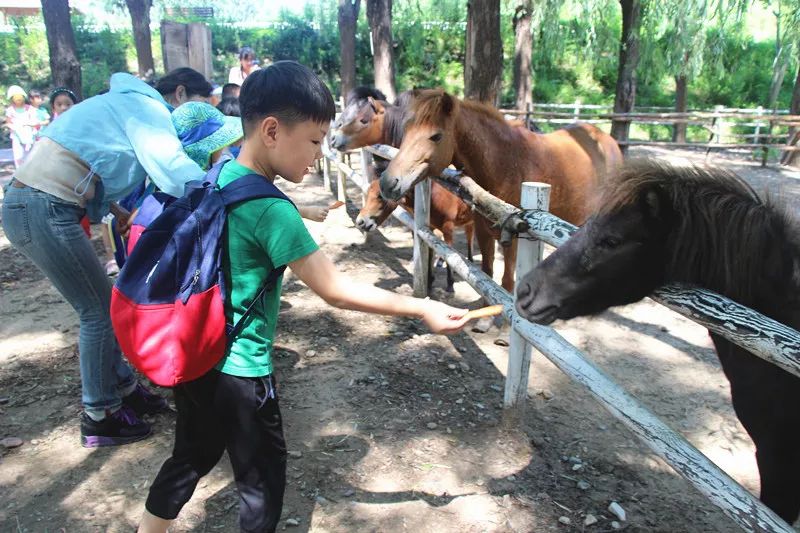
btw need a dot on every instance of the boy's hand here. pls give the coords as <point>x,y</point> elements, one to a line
<point>124,219</point>
<point>441,318</point>
<point>317,214</point>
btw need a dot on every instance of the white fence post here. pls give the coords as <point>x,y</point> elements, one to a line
<point>422,219</point>
<point>576,114</point>
<point>529,254</point>
<point>326,174</point>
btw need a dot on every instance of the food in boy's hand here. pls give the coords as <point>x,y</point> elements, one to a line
<point>335,205</point>
<point>492,310</point>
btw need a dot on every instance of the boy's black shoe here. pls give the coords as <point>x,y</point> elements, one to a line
<point>143,402</point>
<point>120,427</point>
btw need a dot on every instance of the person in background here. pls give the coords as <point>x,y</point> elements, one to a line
<point>61,99</point>
<point>230,107</point>
<point>247,65</point>
<point>205,133</point>
<point>42,116</point>
<point>184,85</point>
<point>21,122</point>
<point>85,161</point>
<point>230,90</point>
<point>216,95</point>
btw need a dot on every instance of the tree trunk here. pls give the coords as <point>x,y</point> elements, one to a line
<point>483,63</point>
<point>523,49</point>
<point>64,64</point>
<point>140,19</point>
<point>793,158</point>
<point>679,129</point>
<point>348,17</point>
<point>379,15</point>
<point>626,73</point>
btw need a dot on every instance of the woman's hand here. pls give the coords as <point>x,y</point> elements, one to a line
<point>124,219</point>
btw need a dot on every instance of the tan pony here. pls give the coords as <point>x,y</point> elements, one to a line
<point>499,157</point>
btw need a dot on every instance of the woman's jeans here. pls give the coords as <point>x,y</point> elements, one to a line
<point>47,230</point>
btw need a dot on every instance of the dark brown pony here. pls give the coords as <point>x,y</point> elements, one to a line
<point>659,224</point>
<point>448,212</point>
<point>499,156</point>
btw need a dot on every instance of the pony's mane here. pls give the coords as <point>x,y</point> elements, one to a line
<point>724,232</point>
<point>428,107</point>
<point>362,93</point>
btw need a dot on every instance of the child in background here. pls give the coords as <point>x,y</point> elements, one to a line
<point>61,99</point>
<point>286,111</point>
<point>21,121</point>
<point>42,116</point>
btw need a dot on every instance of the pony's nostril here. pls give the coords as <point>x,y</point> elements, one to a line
<point>524,290</point>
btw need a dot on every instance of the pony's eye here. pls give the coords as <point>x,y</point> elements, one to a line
<point>610,242</point>
<point>364,121</point>
<point>436,137</point>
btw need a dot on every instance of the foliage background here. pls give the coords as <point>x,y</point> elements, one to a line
<point>575,51</point>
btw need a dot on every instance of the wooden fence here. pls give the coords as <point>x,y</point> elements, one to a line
<point>757,130</point>
<point>763,336</point>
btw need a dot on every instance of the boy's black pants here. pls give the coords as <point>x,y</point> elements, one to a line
<point>221,412</point>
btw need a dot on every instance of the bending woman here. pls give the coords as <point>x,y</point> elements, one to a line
<point>86,160</point>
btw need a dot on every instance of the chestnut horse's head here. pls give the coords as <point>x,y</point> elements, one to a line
<point>618,256</point>
<point>375,211</point>
<point>361,121</point>
<point>428,145</point>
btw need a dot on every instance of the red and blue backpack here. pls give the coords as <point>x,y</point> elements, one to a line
<point>167,306</point>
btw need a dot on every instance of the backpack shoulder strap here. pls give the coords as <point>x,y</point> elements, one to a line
<point>249,187</point>
<point>245,188</point>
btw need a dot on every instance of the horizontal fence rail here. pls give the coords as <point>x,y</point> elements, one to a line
<point>735,501</point>
<point>726,128</point>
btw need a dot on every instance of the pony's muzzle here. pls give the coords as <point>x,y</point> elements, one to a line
<point>365,223</point>
<point>339,141</point>
<point>540,312</point>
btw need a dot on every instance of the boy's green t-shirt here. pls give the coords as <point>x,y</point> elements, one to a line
<point>259,235</point>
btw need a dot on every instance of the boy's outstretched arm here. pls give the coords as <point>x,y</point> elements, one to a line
<point>322,277</point>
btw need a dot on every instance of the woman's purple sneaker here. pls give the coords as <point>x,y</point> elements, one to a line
<point>120,427</point>
<point>144,402</point>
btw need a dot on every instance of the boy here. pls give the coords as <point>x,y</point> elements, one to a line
<point>286,110</point>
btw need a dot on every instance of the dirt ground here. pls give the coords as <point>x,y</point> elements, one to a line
<point>389,428</point>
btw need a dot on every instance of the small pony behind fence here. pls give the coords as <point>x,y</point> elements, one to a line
<point>447,212</point>
<point>659,224</point>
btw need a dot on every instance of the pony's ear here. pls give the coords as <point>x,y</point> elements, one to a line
<point>377,107</point>
<point>448,104</point>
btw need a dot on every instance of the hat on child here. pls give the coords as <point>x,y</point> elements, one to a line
<point>203,130</point>
<point>16,90</point>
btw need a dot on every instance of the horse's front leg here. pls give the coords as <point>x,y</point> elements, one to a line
<point>509,265</point>
<point>486,246</point>
<point>447,234</point>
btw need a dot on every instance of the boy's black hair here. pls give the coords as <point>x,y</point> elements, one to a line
<point>229,89</point>
<point>33,93</point>
<point>229,106</point>
<point>195,83</point>
<point>288,91</point>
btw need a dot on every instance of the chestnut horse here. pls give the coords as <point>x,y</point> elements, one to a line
<point>499,157</point>
<point>659,224</point>
<point>448,212</point>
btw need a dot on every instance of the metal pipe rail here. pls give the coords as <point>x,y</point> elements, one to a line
<point>735,501</point>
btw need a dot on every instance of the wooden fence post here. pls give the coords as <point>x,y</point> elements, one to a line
<point>529,254</point>
<point>422,254</point>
